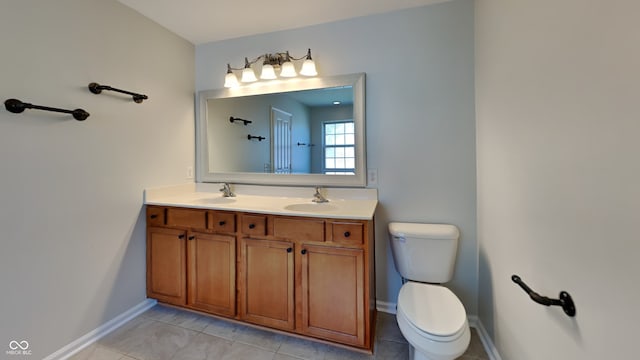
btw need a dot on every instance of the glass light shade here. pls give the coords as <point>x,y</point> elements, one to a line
<point>267,72</point>
<point>288,70</point>
<point>230,80</point>
<point>308,68</point>
<point>248,75</point>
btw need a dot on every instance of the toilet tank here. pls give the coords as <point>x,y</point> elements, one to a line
<point>424,252</point>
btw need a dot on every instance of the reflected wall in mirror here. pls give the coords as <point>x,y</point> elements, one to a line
<point>284,132</point>
<point>292,123</point>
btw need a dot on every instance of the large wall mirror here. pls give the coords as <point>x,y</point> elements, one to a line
<point>284,132</point>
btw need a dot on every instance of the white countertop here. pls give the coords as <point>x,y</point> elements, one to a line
<point>344,203</point>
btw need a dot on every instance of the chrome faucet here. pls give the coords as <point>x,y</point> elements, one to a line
<point>226,191</point>
<point>318,198</point>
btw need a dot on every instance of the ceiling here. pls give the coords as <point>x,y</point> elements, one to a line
<point>202,21</point>
<point>324,97</point>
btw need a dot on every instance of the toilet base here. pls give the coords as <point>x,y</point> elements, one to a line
<point>416,355</point>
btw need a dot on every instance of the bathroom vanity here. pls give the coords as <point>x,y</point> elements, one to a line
<point>270,257</point>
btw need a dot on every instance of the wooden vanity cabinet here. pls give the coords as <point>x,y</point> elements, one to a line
<point>187,218</point>
<point>332,284</point>
<point>166,265</point>
<point>333,293</point>
<point>267,283</point>
<point>309,276</point>
<point>211,280</point>
<point>188,264</point>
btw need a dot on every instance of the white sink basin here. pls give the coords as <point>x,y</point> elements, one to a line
<point>216,200</point>
<point>311,207</point>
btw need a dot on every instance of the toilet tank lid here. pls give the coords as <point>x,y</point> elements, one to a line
<point>424,231</point>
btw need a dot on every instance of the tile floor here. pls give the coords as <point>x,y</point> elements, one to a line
<point>166,333</point>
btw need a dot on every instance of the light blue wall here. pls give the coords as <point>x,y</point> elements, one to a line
<point>419,111</point>
<point>235,153</point>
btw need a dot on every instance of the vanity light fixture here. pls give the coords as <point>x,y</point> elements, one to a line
<point>271,63</point>
<point>247,73</point>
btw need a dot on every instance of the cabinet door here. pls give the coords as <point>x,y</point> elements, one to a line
<point>211,279</point>
<point>267,283</point>
<point>333,298</point>
<point>166,271</point>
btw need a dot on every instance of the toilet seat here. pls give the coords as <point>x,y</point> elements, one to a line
<point>433,311</point>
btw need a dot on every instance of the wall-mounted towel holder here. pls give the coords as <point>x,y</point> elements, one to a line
<point>260,138</point>
<point>97,89</point>
<point>16,106</point>
<point>565,300</point>
<point>234,119</point>
<point>305,144</point>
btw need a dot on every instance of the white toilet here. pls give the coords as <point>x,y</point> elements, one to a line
<point>430,316</point>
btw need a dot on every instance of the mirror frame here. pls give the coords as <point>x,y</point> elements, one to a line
<point>357,81</point>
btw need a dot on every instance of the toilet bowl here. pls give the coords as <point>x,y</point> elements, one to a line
<point>433,321</point>
<point>429,315</point>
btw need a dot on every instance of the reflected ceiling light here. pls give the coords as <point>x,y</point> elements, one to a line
<point>280,61</point>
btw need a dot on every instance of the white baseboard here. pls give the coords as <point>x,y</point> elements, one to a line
<point>101,331</point>
<point>474,322</point>
<point>387,307</point>
<point>489,347</point>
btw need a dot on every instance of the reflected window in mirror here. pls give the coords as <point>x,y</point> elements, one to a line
<point>339,147</point>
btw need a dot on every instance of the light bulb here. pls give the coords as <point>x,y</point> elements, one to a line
<point>248,75</point>
<point>308,68</point>
<point>288,70</point>
<point>267,72</point>
<point>230,80</point>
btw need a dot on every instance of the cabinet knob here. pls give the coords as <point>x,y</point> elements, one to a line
<point>304,251</point>
<point>252,226</point>
<point>191,237</point>
<point>222,223</point>
<point>289,250</point>
<point>180,237</point>
<point>347,234</point>
<point>154,216</point>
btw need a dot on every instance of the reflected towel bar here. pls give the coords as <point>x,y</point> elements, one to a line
<point>260,138</point>
<point>16,106</point>
<point>565,301</point>
<point>234,119</point>
<point>97,89</point>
